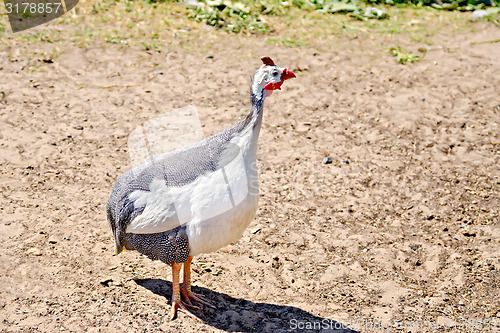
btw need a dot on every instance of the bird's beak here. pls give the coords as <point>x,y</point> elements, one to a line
<point>287,74</point>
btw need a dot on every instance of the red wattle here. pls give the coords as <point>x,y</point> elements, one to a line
<point>273,85</point>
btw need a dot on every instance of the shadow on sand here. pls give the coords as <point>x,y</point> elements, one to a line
<point>239,315</point>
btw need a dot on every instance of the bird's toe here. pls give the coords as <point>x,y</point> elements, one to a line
<point>191,296</point>
<point>182,307</point>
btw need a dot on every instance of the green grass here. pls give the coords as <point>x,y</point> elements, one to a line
<point>155,26</point>
<point>230,16</point>
<point>404,57</point>
<point>288,42</point>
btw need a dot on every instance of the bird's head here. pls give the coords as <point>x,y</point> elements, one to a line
<point>269,77</point>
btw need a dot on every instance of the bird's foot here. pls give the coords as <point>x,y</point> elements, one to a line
<point>181,306</point>
<point>190,296</point>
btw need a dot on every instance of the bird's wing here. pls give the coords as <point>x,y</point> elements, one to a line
<point>165,192</point>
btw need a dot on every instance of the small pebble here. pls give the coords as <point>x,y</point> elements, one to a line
<point>256,230</point>
<point>345,161</point>
<point>327,160</point>
<point>106,282</point>
<point>79,127</point>
<point>160,72</point>
<point>209,56</point>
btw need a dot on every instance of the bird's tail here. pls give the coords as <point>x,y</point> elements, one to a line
<point>119,241</point>
<point>117,232</point>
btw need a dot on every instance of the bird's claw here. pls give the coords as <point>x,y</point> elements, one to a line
<point>181,306</point>
<point>190,296</point>
<point>191,305</point>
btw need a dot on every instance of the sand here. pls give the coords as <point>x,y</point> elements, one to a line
<point>401,229</point>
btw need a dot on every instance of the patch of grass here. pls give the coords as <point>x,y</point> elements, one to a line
<point>288,42</point>
<point>404,57</point>
<point>246,15</point>
<point>386,27</point>
<point>229,16</point>
<point>153,25</point>
<point>115,38</point>
<point>272,7</point>
<point>461,5</point>
<point>98,8</point>
<point>336,6</point>
<point>151,46</point>
<point>418,38</point>
<point>45,36</point>
<point>492,15</point>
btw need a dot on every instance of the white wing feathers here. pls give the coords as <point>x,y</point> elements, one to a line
<point>210,195</point>
<point>159,209</point>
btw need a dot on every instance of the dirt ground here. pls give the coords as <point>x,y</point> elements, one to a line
<point>401,230</point>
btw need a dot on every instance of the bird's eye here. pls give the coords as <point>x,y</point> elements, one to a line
<point>275,73</point>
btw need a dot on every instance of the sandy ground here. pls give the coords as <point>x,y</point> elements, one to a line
<point>401,229</point>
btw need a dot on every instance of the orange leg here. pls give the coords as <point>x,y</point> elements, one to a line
<point>186,287</point>
<point>177,303</point>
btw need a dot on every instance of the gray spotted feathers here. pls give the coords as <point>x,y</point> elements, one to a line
<point>169,246</point>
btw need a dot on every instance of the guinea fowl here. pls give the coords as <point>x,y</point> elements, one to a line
<point>195,199</point>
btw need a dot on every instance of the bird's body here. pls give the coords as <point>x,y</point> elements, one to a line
<point>186,188</point>
<point>196,199</point>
